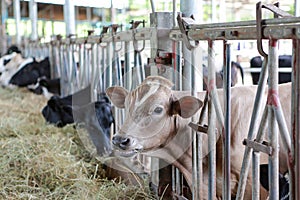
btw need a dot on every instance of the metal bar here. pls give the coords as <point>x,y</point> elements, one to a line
<point>255,175</point>
<point>69,15</point>
<point>296,119</point>
<point>197,174</point>
<point>245,24</point>
<point>212,123</point>
<point>33,17</point>
<point>108,70</point>
<point>252,129</point>
<point>257,146</point>
<point>17,15</point>
<point>227,135</point>
<point>127,68</point>
<point>272,128</point>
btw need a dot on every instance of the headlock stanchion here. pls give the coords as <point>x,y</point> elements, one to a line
<point>96,60</point>
<point>280,28</point>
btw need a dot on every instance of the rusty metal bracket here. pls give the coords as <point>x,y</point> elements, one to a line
<point>259,147</point>
<point>182,22</point>
<point>135,24</point>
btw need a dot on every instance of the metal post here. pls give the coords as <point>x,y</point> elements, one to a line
<point>226,143</point>
<point>127,69</point>
<point>272,126</point>
<point>297,8</point>
<point>17,15</point>
<point>188,8</point>
<point>69,15</point>
<point>212,123</point>
<point>33,17</point>
<point>3,39</point>
<point>296,120</point>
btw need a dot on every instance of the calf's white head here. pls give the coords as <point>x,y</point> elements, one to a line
<point>152,115</point>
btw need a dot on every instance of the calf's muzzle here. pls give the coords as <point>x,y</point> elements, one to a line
<point>121,142</point>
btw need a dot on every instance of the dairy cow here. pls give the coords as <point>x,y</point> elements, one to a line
<point>156,124</point>
<point>30,72</point>
<point>236,70</point>
<point>283,61</point>
<point>283,179</point>
<point>47,87</point>
<point>15,62</point>
<point>59,111</point>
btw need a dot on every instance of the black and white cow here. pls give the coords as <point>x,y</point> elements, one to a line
<point>59,111</point>
<point>283,61</point>
<point>47,87</point>
<point>14,62</point>
<point>28,74</point>
<point>95,117</point>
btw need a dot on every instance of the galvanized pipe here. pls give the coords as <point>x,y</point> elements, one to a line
<point>252,129</point>
<point>197,166</point>
<point>127,69</point>
<point>94,72</point>
<point>17,16</point>
<point>212,122</point>
<point>272,126</point>
<point>108,70</point>
<point>255,175</point>
<point>227,134</point>
<point>33,17</point>
<point>69,16</point>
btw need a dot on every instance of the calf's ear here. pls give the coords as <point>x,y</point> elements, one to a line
<point>117,95</point>
<point>186,106</point>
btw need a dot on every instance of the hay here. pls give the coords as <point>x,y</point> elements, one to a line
<point>40,161</point>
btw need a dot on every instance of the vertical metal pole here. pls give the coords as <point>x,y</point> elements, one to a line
<point>296,119</point>
<point>197,168</point>
<point>226,143</point>
<point>127,69</point>
<point>255,175</point>
<point>188,8</point>
<point>3,39</point>
<point>69,15</point>
<point>297,8</point>
<point>252,129</point>
<point>94,72</point>
<point>212,123</point>
<point>108,69</point>
<point>17,15</point>
<point>33,17</point>
<point>272,126</point>
<point>152,6</point>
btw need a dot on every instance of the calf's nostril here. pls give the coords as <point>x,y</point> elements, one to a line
<point>125,141</point>
<point>121,142</point>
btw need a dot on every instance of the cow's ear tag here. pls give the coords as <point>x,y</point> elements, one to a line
<point>117,95</point>
<point>186,106</point>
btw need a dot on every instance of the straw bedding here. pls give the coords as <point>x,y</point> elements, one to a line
<point>41,161</point>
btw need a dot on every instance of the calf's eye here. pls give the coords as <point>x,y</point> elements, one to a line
<point>158,110</point>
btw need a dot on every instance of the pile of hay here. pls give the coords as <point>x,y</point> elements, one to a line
<point>41,161</point>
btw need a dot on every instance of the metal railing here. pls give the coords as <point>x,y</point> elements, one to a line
<point>95,60</point>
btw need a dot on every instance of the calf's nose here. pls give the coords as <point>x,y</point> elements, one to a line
<point>121,141</point>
